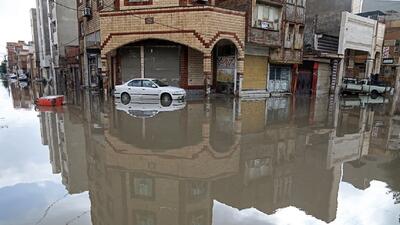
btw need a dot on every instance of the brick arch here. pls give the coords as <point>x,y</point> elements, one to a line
<point>187,38</point>
<point>232,38</point>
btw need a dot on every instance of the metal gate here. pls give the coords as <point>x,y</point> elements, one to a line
<point>130,63</point>
<point>279,78</point>
<point>162,62</point>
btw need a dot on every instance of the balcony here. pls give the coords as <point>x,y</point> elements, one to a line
<point>199,27</point>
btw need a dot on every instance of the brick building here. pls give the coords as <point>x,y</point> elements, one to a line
<point>224,46</point>
<point>89,41</point>
<point>34,58</point>
<point>17,53</point>
<point>12,60</point>
<point>391,50</point>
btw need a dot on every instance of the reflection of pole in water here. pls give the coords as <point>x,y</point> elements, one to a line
<point>143,128</point>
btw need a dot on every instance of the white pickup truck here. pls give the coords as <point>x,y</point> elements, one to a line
<point>351,85</point>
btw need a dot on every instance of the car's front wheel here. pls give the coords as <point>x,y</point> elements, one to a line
<point>125,98</point>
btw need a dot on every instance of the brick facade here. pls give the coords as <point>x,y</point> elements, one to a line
<point>198,28</point>
<point>191,26</point>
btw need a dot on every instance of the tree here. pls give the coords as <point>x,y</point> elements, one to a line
<point>3,67</point>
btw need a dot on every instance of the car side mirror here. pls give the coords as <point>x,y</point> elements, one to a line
<point>154,86</point>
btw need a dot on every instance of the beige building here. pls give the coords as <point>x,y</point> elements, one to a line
<point>223,46</point>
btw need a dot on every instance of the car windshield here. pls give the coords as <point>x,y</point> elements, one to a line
<point>160,83</point>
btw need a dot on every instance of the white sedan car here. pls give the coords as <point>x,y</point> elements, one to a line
<point>142,89</point>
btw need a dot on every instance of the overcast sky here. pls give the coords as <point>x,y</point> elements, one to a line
<point>14,22</point>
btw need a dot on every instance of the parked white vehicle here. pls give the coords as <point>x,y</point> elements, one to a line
<point>363,86</point>
<point>149,108</point>
<point>142,89</point>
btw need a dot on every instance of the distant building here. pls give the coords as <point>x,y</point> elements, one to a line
<point>381,5</point>
<point>63,32</point>
<point>43,39</point>
<point>35,57</point>
<point>18,57</point>
<point>32,68</point>
<point>12,60</point>
<point>338,43</point>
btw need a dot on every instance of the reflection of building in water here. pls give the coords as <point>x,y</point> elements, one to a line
<point>280,159</point>
<point>169,168</point>
<point>22,97</point>
<point>263,154</point>
<point>162,168</point>
<point>380,162</point>
<point>63,132</point>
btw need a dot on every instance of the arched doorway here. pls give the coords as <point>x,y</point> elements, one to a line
<point>224,67</point>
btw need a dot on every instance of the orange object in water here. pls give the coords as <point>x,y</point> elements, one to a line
<point>57,100</point>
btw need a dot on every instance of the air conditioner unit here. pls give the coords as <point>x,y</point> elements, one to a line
<point>87,12</point>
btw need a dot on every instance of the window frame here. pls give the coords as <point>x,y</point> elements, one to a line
<point>99,6</point>
<point>151,82</point>
<point>256,17</point>
<point>132,178</point>
<point>140,83</point>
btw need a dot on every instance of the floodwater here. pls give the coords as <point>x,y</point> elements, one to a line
<point>289,160</point>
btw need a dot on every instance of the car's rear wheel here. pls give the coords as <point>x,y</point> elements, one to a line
<point>125,98</point>
<point>166,99</point>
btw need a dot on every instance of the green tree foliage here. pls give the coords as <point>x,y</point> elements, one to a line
<point>3,67</point>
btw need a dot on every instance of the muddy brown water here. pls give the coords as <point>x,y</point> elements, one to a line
<point>290,160</point>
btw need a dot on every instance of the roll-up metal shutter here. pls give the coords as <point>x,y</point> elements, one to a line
<point>162,62</point>
<point>130,63</point>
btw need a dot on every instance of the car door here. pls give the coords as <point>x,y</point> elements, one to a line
<point>149,90</point>
<point>353,86</point>
<point>134,89</point>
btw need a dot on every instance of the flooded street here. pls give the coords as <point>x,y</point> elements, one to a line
<point>289,160</point>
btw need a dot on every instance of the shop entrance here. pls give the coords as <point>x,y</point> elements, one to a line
<point>224,64</point>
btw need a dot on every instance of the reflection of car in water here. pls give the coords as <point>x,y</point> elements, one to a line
<point>13,76</point>
<point>148,89</point>
<point>23,84</point>
<point>22,77</point>
<point>362,100</point>
<point>149,108</point>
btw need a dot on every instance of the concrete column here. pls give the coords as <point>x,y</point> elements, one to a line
<point>207,69</point>
<point>340,74</point>
<point>369,67</point>
<point>105,75</point>
<point>239,75</point>
<point>142,61</point>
